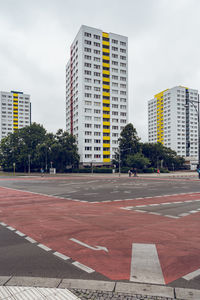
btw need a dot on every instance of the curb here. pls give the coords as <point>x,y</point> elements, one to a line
<point>104,286</point>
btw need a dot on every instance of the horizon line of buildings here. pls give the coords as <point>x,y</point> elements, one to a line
<point>97,103</point>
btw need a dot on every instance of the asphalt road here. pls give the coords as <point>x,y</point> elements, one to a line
<point>20,257</point>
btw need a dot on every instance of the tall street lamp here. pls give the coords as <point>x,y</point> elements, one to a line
<point>193,102</point>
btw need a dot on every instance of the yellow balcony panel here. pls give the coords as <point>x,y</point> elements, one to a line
<point>106,160</point>
<point>15,95</point>
<point>106,79</point>
<point>106,152</point>
<point>106,130</point>
<point>107,66</point>
<point>106,101</point>
<point>106,123</point>
<point>106,145</point>
<point>15,119</point>
<point>105,57</point>
<point>106,43</point>
<point>106,138</point>
<point>106,108</point>
<point>106,94</point>
<point>106,86</point>
<point>105,50</point>
<point>105,34</point>
<point>105,116</point>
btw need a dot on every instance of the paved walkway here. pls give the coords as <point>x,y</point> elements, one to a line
<point>36,288</point>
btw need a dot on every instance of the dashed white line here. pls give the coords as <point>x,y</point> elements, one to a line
<point>30,240</point>
<point>44,247</point>
<point>3,224</point>
<point>83,267</point>
<point>11,228</point>
<point>62,256</point>
<point>192,275</point>
<point>20,233</point>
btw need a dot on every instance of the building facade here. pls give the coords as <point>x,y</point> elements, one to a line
<point>97,93</point>
<point>15,112</point>
<point>173,121</point>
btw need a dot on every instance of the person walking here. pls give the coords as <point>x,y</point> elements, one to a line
<point>129,173</point>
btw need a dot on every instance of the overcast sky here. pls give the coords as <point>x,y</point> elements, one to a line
<point>35,38</point>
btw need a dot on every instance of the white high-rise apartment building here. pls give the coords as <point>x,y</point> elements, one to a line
<point>97,93</point>
<point>15,112</point>
<point>173,121</point>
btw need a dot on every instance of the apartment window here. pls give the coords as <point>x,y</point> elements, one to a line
<point>114,70</point>
<point>97,59</point>
<point>96,44</point>
<point>122,50</point>
<point>88,148</point>
<point>87,34</point>
<point>88,118</point>
<point>87,49</point>
<point>88,133</point>
<point>115,63</point>
<point>97,66</point>
<point>123,65</point>
<point>88,155</point>
<point>88,42</point>
<point>88,141</point>
<point>88,125</point>
<point>115,84</point>
<point>114,77</point>
<point>97,89</point>
<point>88,79</point>
<point>97,141</point>
<point>86,72</point>
<point>97,111</point>
<point>97,148</point>
<point>122,43</point>
<point>97,74</point>
<point>114,48</point>
<point>88,95</point>
<point>97,125</point>
<point>122,57</point>
<point>97,119</point>
<point>96,81</point>
<point>88,87</point>
<point>97,37</point>
<point>88,110</point>
<point>96,133</point>
<point>87,65</point>
<point>114,41</point>
<point>97,51</point>
<point>97,96</point>
<point>88,57</point>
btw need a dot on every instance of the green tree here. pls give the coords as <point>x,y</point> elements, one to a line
<point>137,160</point>
<point>128,143</point>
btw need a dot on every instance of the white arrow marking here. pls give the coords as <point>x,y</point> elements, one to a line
<point>145,264</point>
<point>90,247</point>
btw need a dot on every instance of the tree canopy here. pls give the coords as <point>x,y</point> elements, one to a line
<point>134,154</point>
<point>33,146</point>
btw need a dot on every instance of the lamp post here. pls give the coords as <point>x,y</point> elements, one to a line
<point>29,163</point>
<point>197,112</point>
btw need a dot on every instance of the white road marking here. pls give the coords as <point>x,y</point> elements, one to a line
<point>20,233</point>
<point>173,217</point>
<point>11,228</point>
<point>30,240</point>
<point>145,264</point>
<point>44,247</point>
<point>83,267</point>
<point>193,211</point>
<point>96,248</point>
<point>64,257</point>
<point>3,224</point>
<point>192,275</point>
<point>184,215</point>
<point>143,211</point>
<point>155,213</point>
<point>154,204</point>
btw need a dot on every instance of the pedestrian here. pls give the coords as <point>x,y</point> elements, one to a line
<point>158,171</point>
<point>198,170</point>
<point>135,172</point>
<point>129,173</point>
<point>42,172</point>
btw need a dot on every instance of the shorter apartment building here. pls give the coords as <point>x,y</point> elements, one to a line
<point>173,121</point>
<point>15,112</point>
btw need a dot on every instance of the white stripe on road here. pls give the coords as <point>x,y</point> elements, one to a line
<point>11,228</point>
<point>145,264</point>
<point>83,267</point>
<point>192,275</point>
<point>44,247</point>
<point>30,240</point>
<point>20,233</point>
<point>64,257</point>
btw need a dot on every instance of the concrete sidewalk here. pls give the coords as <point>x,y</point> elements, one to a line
<point>29,288</point>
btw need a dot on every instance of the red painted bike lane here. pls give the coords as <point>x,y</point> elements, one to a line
<point>54,222</point>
